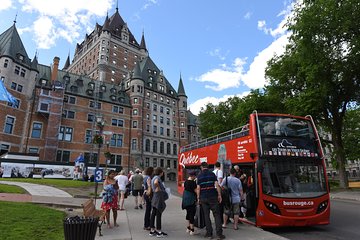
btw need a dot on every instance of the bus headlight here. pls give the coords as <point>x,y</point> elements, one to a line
<point>322,206</point>
<point>272,207</point>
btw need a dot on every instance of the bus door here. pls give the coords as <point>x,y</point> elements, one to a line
<point>249,183</point>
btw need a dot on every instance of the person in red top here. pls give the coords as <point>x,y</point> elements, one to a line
<point>110,198</point>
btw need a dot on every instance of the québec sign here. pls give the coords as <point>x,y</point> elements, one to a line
<point>189,159</point>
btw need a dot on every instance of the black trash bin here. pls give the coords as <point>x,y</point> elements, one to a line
<point>80,228</point>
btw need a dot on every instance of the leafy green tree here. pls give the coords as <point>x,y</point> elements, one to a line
<point>235,112</point>
<point>319,72</point>
<point>219,118</point>
<point>351,134</point>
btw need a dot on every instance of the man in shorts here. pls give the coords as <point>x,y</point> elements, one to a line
<point>237,195</point>
<point>138,191</point>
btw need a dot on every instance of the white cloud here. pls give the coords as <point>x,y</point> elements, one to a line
<point>63,19</point>
<point>224,77</point>
<point>5,4</point>
<point>278,31</point>
<point>255,76</point>
<point>44,32</point>
<point>148,4</point>
<point>217,53</point>
<point>248,15</point>
<point>201,103</point>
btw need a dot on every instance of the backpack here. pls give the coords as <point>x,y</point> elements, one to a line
<point>226,195</point>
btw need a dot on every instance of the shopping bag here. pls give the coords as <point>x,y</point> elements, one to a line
<point>199,217</point>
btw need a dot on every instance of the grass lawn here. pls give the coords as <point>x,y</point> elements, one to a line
<point>59,183</point>
<point>30,221</point>
<point>4,188</point>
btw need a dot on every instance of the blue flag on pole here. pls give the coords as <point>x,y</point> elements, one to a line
<point>5,95</point>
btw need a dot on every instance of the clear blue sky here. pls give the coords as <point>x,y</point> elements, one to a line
<point>219,47</point>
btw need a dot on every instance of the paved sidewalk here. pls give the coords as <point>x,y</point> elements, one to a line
<point>174,224</point>
<point>131,220</point>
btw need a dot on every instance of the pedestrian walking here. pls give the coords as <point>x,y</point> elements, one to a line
<point>122,181</point>
<point>137,191</point>
<point>110,198</point>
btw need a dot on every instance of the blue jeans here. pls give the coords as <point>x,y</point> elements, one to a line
<point>212,204</point>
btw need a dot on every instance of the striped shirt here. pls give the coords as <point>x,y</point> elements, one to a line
<point>206,180</point>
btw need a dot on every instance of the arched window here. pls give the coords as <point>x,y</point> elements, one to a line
<point>162,147</point>
<point>155,146</point>
<point>168,148</point>
<point>174,149</point>
<point>147,145</point>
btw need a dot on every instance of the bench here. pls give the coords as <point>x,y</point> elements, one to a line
<point>89,210</point>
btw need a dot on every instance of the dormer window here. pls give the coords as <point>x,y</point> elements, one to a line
<point>113,90</point>
<point>74,88</point>
<point>80,82</point>
<point>113,97</point>
<point>103,88</point>
<point>90,92</point>
<point>21,57</point>
<point>66,79</point>
<point>43,82</point>
<point>91,85</point>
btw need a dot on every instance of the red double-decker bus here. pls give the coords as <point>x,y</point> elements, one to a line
<point>282,158</point>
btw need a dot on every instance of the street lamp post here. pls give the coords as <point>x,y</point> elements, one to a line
<point>99,141</point>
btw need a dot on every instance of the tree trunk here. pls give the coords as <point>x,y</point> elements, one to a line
<point>341,160</point>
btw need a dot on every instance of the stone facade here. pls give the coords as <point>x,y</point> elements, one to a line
<point>112,76</point>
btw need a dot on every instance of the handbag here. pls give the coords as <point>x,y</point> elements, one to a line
<point>199,219</point>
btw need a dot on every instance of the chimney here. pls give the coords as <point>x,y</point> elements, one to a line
<point>55,69</point>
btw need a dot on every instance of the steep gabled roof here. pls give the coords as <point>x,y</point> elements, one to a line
<point>142,43</point>
<point>153,76</point>
<point>115,25</point>
<point>12,46</point>
<point>181,89</point>
<point>67,63</point>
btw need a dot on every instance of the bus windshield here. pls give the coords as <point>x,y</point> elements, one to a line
<point>285,126</point>
<point>295,178</point>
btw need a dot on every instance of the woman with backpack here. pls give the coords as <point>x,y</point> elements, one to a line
<point>189,201</point>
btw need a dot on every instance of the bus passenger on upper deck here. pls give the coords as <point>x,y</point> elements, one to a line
<point>280,127</point>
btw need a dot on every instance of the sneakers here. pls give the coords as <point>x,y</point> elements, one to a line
<point>192,232</point>
<point>140,206</point>
<point>157,234</point>
<point>136,207</point>
<point>161,234</point>
<point>153,233</point>
<point>188,230</point>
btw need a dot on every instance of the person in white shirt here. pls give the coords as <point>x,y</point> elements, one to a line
<point>218,172</point>
<point>122,181</point>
